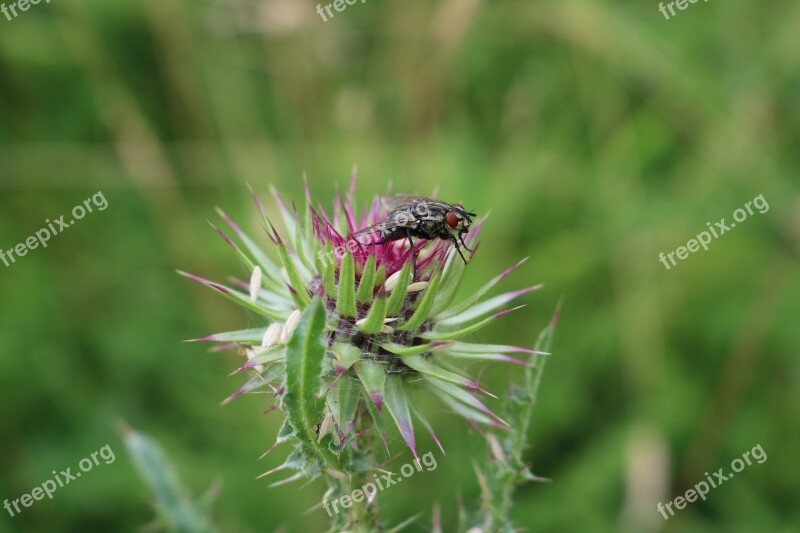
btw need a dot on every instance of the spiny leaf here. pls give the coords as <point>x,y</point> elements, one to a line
<point>466,304</point>
<point>451,335</point>
<point>244,258</point>
<point>327,267</point>
<point>252,384</point>
<point>428,426</point>
<point>469,347</point>
<point>486,357</point>
<point>346,355</point>
<point>487,306</point>
<point>451,280</point>
<point>299,294</point>
<point>377,314</point>
<point>303,248</point>
<point>305,352</point>
<point>401,350</point>
<point>399,292</point>
<point>285,433</point>
<point>397,405</point>
<point>343,402</point>
<point>373,377</point>
<point>236,296</point>
<point>247,336</point>
<point>424,308</point>
<point>424,366</point>
<point>287,216</point>
<point>263,356</point>
<point>366,285</point>
<point>462,396</point>
<point>377,419</point>
<point>346,300</point>
<point>271,280</point>
<point>380,277</point>
<point>466,411</point>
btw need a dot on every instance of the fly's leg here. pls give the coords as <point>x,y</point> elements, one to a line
<point>461,238</point>
<point>458,248</point>
<point>413,256</point>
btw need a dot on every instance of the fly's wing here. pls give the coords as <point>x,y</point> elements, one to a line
<point>406,216</point>
<point>407,201</point>
<point>404,212</point>
<point>374,234</point>
<point>399,201</point>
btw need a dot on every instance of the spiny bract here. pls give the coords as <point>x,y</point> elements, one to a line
<point>348,336</point>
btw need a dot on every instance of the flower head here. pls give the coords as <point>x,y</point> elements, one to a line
<point>350,330</point>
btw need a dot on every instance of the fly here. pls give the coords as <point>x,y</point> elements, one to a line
<point>423,218</point>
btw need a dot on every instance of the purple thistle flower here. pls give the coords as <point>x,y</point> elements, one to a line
<point>370,334</point>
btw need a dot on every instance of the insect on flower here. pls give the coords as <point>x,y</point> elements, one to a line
<point>423,218</point>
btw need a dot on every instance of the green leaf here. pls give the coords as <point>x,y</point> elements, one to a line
<point>299,294</point>
<point>397,405</point>
<point>367,283</point>
<point>451,280</point>
<point>302,248</point>
<point>343,402</point>
<point>238,297</point>
<point>246,336</point>
<point>466,304</point>
<point>380,277</point>
<point>356,462</point>
<point>377,314</point>
<point>285,432</point>
<point>346,354</point>
<point>467,412</point>
<point>175,507</point>
<point>486,357</point>
<point>487,306</point>
<point>373,377</point>
<point>399,292</point>
<point>380,425</point>
<point>288,217</point>
<point>469,347</point>
<point>305,353</point>
<point>327,266</point>
<point>425,305</point>
<point>452,335</point>
<point>462,396</point>
<point>401,350</point>
<point>270,354</point>
<point>425,366</point>
<point>268,267</point>
<point>346,300</point>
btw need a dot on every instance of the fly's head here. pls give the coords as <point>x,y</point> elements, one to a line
<point>459,219</point>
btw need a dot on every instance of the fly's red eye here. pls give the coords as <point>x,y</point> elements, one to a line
<point>452,219</point>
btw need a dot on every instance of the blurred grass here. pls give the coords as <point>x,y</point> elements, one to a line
<point>598,135</point>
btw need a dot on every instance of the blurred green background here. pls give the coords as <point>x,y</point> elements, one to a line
<point>597,133</point>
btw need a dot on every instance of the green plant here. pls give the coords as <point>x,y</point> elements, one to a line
<point>349,341</point>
